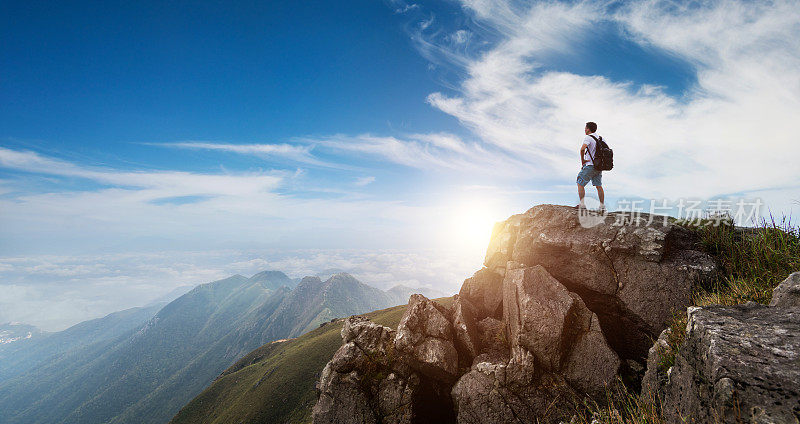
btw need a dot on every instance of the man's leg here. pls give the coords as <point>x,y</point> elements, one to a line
<point>581,194</point>
<point>597,182</point>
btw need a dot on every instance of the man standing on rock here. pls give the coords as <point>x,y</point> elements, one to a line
<point>588,173</point>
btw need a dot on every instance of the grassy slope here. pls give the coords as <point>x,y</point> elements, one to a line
<point>275,383</point>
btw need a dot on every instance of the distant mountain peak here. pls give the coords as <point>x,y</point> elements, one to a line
<point>273,279</point>
<point>271,274</point>
<point>342,277</point>
<point>310,281</point>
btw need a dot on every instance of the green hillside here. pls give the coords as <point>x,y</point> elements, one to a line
<point>275,383</point>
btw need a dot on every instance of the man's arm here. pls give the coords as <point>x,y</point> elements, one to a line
<point>583,153</point>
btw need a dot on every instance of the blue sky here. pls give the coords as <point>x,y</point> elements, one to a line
<point>385,136</point>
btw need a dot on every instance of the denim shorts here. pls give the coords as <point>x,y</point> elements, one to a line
<point>589,174</point>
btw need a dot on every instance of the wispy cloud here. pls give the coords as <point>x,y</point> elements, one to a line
<point>158,183</point>
<point>400,6</point>
<point>363,181</point>
<point>429,152</point>
<point>296,153</point>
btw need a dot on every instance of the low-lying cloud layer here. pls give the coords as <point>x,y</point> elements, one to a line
<point>53,292</point>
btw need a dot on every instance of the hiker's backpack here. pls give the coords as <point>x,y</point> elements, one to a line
<point>603,155</point>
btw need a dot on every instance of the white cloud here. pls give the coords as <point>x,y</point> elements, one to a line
<point>296,153</point>
<point>157,184</point>
<point>429,152</point>
<point>401,6</point>
<point>727,134</point>
<point>363,181</point>
<point>460,37</point>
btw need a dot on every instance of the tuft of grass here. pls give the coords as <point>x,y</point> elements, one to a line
<point>620,406</point>
<point>677,333</point>
<point>753,260</point>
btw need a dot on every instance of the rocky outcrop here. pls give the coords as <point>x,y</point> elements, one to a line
<point>365,383</point>
<point>633,272</point>
<point>425,339</point>
<point>787,293</point>
<point>737,364</point>
<point>547,322</point>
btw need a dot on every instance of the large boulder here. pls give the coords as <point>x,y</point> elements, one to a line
<point>591,364</point>
<point>426,341</point>
<point>343,396</point>
<point>547,322</point>
<point>633,275</point>
<point>737,364</point>
<point>363,341</point>
<point>557,328</point>
<point>342,399</point>
<point>538,312</point>
<point>365,383</point>
<point>484,290</point>
<point>787,293</point>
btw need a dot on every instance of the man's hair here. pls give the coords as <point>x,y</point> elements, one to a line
<point>592,126</point>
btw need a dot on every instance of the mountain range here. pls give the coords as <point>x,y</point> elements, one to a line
<point>142,365</point>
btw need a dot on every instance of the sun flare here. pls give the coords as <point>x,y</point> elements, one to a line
<point>472,225</point>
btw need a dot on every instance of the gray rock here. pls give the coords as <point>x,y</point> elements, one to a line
<point>538,311</point>
<point>465,329</point>
<point>501,245</point>
<point>542,326</point>
<point>504,392</point>
<point>633,277</point>
<point>737,364</point>
<point>591,365</point>
<point>395,398</point>
<point>557,328</point>
<point>343,396</point>
<point>364,383</point>
<point>363,341</point>
<point>425,339</point>
<point>485,291</point>
<point>342,400</point>
<point>787,293</point>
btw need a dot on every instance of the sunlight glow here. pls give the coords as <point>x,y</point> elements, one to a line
<point>471,225</point>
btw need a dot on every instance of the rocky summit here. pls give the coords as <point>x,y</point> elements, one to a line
<point>564,304</point>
